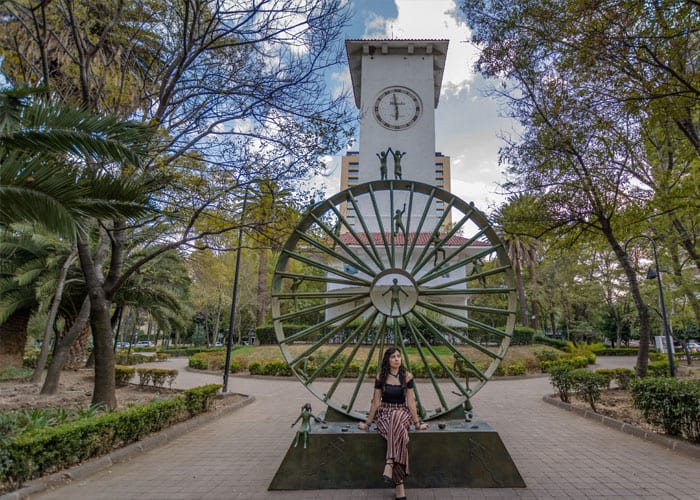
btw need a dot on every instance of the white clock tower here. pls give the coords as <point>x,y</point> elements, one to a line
<point>396,84</point>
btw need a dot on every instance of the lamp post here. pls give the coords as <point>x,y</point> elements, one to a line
<point>229,337</point>
<point>655,273</point>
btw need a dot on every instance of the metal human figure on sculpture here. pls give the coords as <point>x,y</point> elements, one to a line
<point>397,162</point>
<point>382,163</point>
<point>398,224</point>
<point>395,289</point>
<point>305,427</point>
<point>435,240</point>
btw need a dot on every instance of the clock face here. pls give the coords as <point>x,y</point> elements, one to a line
<point>397,108</point>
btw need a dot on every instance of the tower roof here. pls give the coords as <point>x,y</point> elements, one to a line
<point>357,48</point>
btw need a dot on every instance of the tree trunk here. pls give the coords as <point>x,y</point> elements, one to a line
<point>53,312</point>
<point>62,350</point>
<point>77,354</point>
<point>13,339</point>
<point>519,285</point>
<point>642,308</point>
<point>262,302</point>
<point>105,389</point>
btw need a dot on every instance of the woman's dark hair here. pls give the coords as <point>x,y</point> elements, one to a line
<point>384,372</point>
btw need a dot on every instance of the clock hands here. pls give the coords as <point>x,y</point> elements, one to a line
<point>396,107</point>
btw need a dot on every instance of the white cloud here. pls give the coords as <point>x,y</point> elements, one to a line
<point>421,19</point>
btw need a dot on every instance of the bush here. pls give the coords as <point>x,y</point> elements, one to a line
<point>569,363</point>
<point>561,381</point>
<point>623,377</point>
<point>200,399</point>
<point>618,351</point>
<point>588,385</point>
<point>659,369</point>
<point>556,343</point>
<point>123,374</point>
<point>517,368</point>
<point>156,375</point>
<point>276,369</point>
<point>670,403</point>
<point>31,454</point>
<point>522,335</point>
<point>548,354</point>
<point>255,368</point>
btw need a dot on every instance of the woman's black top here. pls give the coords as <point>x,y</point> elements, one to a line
<point>393,394</point>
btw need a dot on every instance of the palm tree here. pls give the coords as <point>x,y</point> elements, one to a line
<point>55,171</point>
<point>521,247</point>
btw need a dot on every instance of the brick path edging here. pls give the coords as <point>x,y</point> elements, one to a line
<point>106,461</point>
<point>666,441</point>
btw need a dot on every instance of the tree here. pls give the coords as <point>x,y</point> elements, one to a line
<point>583,146</point>
<point>41,147</point>
<point>236,89</point>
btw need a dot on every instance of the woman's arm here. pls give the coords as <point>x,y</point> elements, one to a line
<point>376,401</point>
<point>411,402</point>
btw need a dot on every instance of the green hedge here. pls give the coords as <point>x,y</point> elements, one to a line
<point>157,376</point>
<point>45,450</point>
<point>522,335</point>
<point>618,351</point>
<point>670,403</point>
<point>123,374</point>
<point>623,376</point>
<point>213,360</point>
<point>562,345</point>
<point>588,385</point>
<point>568,363</point>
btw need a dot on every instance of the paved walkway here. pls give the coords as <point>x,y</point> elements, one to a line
<point>559,455</point>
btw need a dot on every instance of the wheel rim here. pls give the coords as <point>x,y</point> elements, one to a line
<point>365,282</point>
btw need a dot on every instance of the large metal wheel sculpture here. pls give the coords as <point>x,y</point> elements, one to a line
<point>393,263</point>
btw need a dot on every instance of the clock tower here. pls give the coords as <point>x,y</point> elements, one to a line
<point>396,84</point>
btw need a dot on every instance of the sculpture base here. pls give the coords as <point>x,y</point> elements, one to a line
<point>453,453</point>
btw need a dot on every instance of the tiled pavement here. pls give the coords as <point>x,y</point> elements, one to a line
<point>559,455</point>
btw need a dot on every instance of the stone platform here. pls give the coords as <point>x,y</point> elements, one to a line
<point>453,453</point>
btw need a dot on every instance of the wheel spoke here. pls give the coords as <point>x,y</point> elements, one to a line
<point>429,250</point>
<point>348,316</point>
<point>365,367</point>
<point>447,344</point>
<point>334,273</point>
<point>323,267</point>
<point>434,329</point>
<point>361,334</point>
<point>317,308</point>
<point>355,262</point>
<point>472,277</point>
<point>464,339</point>
<point>417,340</point>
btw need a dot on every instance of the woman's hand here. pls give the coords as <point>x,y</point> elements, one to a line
<point>421,426</point>
<point>362,426</point>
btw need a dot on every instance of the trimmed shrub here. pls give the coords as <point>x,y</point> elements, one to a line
<point>617,351</point>
<point>34,453</point>
<point>200,399</point>
<point>255,368</point>
<point>569,363</point>
<point>588,385</point>
<point>623,377</point>
<point>659,369</point>
<point>123,374</point>
<point>670,403</point>
<point>559,377</point>
<point>562,345</point>
<point>156,375</point>
<point>548,354</point>
<point>517,368</point>
<point>522,335</point>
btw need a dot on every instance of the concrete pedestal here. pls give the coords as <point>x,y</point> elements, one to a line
<point>451,454</point>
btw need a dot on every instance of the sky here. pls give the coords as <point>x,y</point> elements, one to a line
<point>467,121</point>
